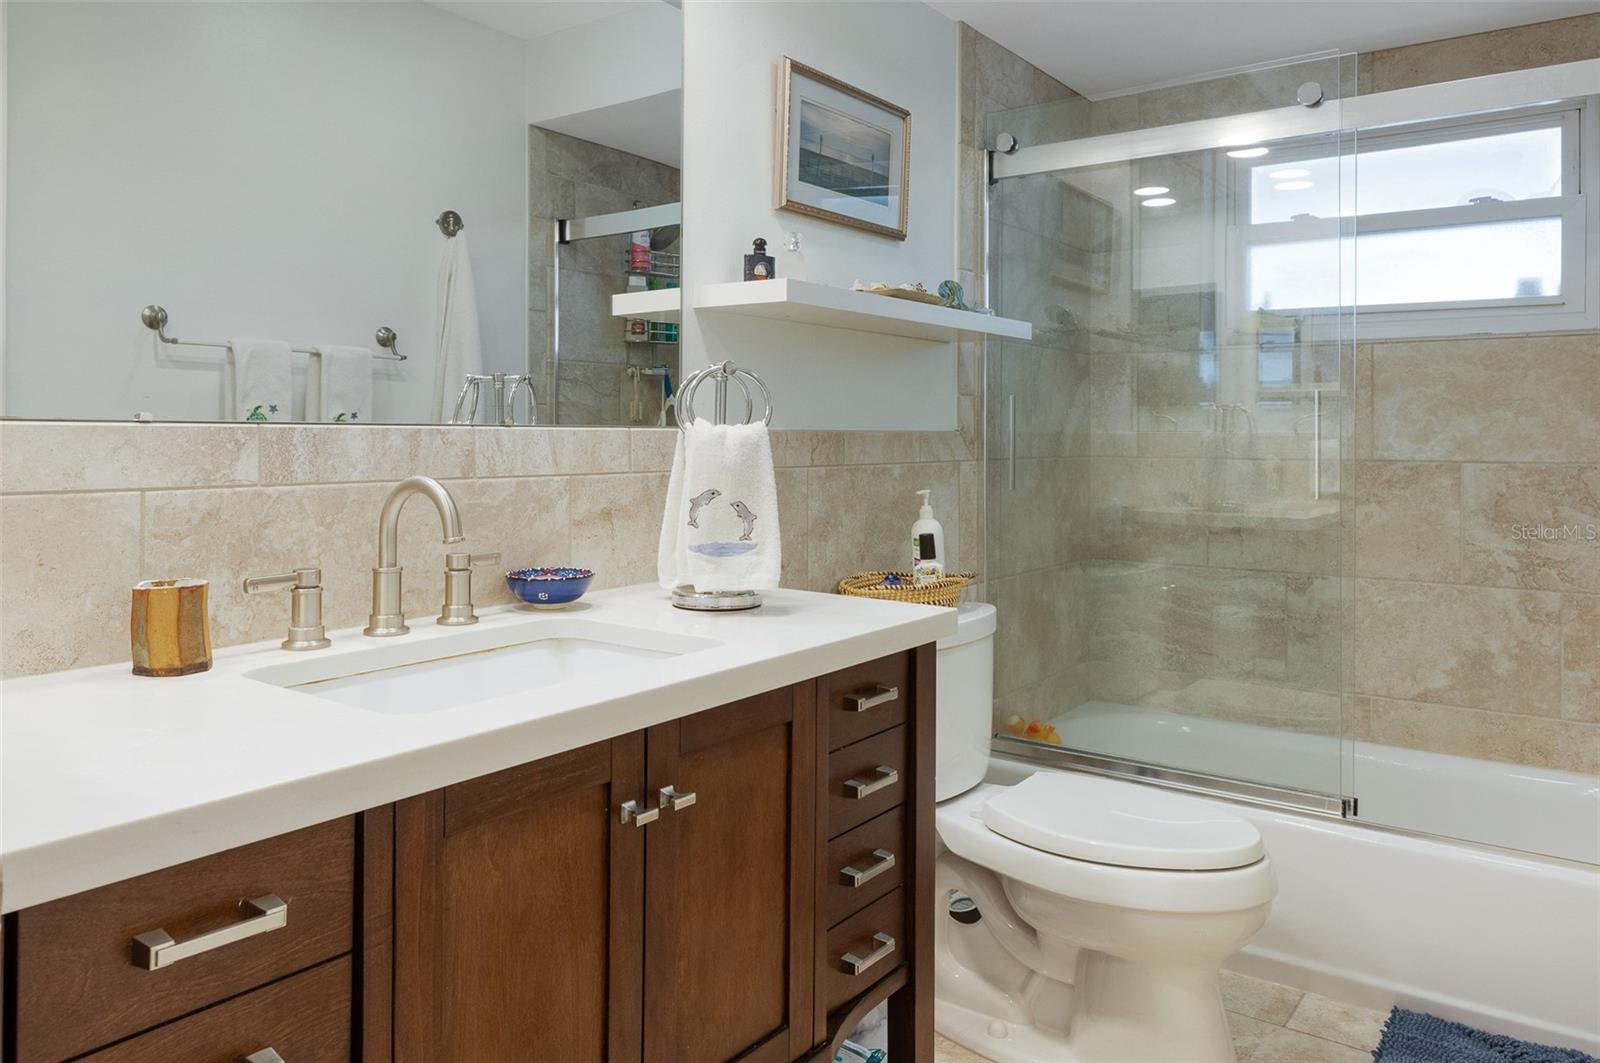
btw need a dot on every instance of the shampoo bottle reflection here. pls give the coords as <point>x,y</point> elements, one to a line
<point>927,545</point>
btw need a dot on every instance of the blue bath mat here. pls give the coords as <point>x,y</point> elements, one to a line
<point>1412,1037</point>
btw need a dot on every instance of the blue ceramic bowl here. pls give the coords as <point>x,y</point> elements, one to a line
<point>549,588</point>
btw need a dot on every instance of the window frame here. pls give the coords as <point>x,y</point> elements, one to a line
<point>1576,308</point>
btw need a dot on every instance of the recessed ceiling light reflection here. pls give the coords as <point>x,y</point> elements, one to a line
<point>1292,186</point>
<point>1159,201</point>
<point>1289,175</point>
<point>1247,153</point>
<point>1152,190</point>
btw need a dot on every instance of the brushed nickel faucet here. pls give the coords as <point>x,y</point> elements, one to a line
<point>305,610</point>
<point>388,612</point>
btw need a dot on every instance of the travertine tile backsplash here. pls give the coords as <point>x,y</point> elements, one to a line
<point>86,510</point>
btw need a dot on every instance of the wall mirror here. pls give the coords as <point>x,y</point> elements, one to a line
<point>462,189</point>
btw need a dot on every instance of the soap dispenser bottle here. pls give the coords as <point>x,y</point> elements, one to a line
<point>927,545</point>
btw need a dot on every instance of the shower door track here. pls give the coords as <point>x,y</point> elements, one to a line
<point>1193,782</point>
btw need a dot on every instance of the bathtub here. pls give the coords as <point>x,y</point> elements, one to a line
<point>1504,940</point>
<point>1536,810</point>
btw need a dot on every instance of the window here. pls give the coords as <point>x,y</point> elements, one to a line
<point>1443,228</point>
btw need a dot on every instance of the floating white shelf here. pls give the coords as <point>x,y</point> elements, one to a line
<point>820,304</point>
<point>662,304</point>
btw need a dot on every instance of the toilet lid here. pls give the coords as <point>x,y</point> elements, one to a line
<point>1109,822</point>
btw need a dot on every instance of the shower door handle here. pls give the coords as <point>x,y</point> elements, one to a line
<point>1316,444</point>
<point>1011,442</point>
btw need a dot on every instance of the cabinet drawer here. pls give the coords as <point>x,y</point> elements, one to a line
<point>82,980</point>
<point>304,1019</point>
<point>866,779</point>
<point>864,948</point>
<point>864,864</point>
<point>861,701</point>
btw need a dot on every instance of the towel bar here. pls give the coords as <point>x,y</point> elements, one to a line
<point>154,318</point>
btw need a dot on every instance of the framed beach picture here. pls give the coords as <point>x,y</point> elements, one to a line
<point>844,155</point>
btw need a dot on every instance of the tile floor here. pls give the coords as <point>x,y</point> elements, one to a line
<point>1271,1023</point>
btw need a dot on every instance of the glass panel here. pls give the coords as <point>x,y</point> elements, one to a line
<point>1518,259</point>
<point>1172,503</point>
<point>1447,169</point>
<point>1455,263</point>
<point>1165,544</point>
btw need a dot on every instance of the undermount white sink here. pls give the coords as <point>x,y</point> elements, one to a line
<point>478,665</point>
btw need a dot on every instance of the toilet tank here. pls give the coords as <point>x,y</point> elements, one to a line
<point>965,701</point>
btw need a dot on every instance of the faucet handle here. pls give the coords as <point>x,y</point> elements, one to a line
<point>305,605</point>
<point>457,608</point>
<point>300,577</point>
<point>461,562</point>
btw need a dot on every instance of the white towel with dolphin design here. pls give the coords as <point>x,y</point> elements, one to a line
<point>720,529</point>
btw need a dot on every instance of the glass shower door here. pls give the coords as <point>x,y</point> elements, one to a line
<point>1166,535</point>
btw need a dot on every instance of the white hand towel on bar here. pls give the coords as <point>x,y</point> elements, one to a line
<point>458,347</point>
<point>339,385</point>
<point>720,528</point>
<point>260,379</point>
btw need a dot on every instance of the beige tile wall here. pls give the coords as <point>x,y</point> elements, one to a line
<point>1473,631</point>
<point>88,509</point>
<point>1030,577</point>
<point>1564,40</point>
<point>1477,548</point>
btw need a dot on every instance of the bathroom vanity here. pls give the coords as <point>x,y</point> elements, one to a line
<point>716,846</point>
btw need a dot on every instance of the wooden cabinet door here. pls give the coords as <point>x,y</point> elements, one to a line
<point>519,914</point>
<point>729,893</point>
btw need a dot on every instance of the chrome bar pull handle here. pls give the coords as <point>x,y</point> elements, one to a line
<point>265,1055</point>
<point>885,777</point>
<point>1011,442</point>
<point>855,878</point>
<point>155,949</point>
<point>635,813</point>
<point>881,695</point>
<point>675,799</point>
<point>854,965</point>
<point>1316,443</point>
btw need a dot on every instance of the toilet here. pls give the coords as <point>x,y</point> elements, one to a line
<point>1078,918</point>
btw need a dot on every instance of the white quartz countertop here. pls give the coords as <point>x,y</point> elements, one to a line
<point>108,775</point>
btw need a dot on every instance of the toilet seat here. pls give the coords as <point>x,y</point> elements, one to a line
<point>1108,822</point>
<point>963,830</point>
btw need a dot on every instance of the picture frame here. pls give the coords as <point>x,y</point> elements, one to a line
<point>844,155</point>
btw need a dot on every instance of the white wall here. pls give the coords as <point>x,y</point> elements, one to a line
<point>605,62</point>
<point>261,170</point>
<point>902,51</point>
<point>5,20</point>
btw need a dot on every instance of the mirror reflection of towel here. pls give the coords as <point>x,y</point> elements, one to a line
<point>457,345</point>
<point>259,380</point>
<point>339,385</point>
<point>720,528</point>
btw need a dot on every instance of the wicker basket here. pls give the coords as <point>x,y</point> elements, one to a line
<point>945,591</point>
